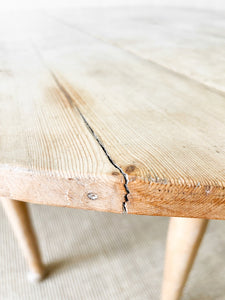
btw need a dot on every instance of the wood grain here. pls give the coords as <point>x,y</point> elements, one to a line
<point>183,241</point>
<point>48,155</point>
<point>189,42</point>
<point>18,215</point>
<point>88,110</point>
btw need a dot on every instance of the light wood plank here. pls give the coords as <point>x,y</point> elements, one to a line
<point>188,41</point>
<point>165,132</point>
<point>47,154</point>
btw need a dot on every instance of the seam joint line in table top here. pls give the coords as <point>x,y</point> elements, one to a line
<point>72,103</point>
<point>125,176</point>
<point>208,86</point>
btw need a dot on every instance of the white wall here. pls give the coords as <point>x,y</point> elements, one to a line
<point>28,4</point>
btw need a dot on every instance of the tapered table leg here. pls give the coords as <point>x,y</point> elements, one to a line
<point>18,216</point>
<point>184,238</point>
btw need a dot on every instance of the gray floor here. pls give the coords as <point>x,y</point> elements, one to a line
<point>96,255</point>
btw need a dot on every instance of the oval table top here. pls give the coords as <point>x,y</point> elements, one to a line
<point>118,109</point>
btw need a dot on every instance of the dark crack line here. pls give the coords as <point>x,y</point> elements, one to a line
<point>72,104</point>
<point>125,176</point>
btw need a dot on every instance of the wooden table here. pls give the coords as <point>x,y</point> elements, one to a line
<point>119,110</point>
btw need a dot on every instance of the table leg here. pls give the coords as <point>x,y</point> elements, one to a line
<point>183,240</point>
<point>19,218</point>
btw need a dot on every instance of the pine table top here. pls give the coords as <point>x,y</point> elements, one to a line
<point>118,110</point>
